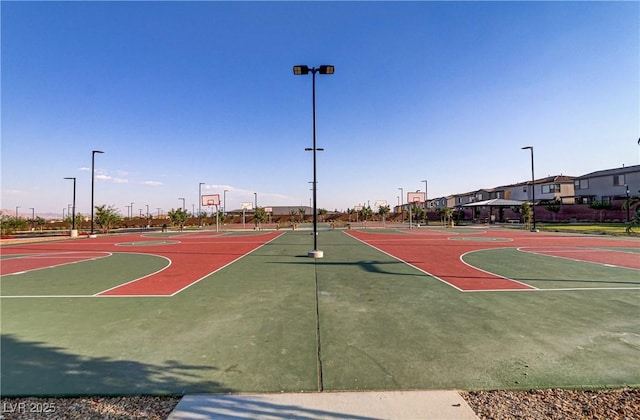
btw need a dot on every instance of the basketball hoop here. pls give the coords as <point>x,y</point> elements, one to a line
<point>416,197</point>
<point>211,200</point>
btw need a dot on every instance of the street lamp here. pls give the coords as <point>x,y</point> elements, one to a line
<point>626,186</point>
<point>401,204</point>
<point>533,189</point>
<point>200,203</point>
<point>224,202</point>
<point>131,210</point>
<point>93,173</point>
<point>73,208</point>
<point>300,71</point>
<point>255,209</point>
<point>425,199</point>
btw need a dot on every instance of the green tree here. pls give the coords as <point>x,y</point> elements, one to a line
<point>260,215</point>
<point>10,224</point>
<point>107,216</point>
<point>383,211</point>
<point>365,213</point>
<point>526,212</point>
<point>601,207</point>
<point>322,213</point>
<point>202,215</point>
<point>79,219</point>
<point>302,211</point>
<point>417,212</point>
<point>38,222</point>
<point>178,217</point>
<point>553,207</point>
<point>445,215</point>
<point>292,215</point>
<point>221,216</point>
<point>632,203</point>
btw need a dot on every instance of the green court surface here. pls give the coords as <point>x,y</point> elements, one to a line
<point>357,319</point>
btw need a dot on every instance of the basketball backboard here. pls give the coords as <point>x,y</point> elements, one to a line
<point>211,200</point>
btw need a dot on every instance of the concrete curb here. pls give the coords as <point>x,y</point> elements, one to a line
<point>326,405</point>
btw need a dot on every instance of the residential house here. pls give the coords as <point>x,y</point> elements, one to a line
<point>607,185</point>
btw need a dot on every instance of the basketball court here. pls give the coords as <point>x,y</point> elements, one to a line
<point>249,312</point>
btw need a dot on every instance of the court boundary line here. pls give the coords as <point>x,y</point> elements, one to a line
<point>139,278</point>
<point>521,249</point>
<point>405,262</point>
<point>546,289</point>
<point>101,295</point>
<point>228,264</point>
<point>493,274</point>
<point>530,289</point>
<point>52,255</point>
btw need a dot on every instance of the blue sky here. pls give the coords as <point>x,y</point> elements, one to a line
<point>179,93</point>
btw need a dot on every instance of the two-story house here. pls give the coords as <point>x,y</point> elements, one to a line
<point>607,185</point>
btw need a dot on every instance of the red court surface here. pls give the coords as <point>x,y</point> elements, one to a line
<point>192,257</point>
<point>439,253</point>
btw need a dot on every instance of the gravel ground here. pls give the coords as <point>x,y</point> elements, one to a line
<point>623,404</point>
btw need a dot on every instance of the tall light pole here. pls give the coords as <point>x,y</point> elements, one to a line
<point>299,71</point>
<point>73,208</point>
<point>626,186</point>
<point>17,207</point>
<point>132,210</point>
<point>93,173</point>
<point>183,208</point>
<point>224,202</point>
<point>200,203</point>
<point>533,189</point>
<point>401,204</point>
<point>255,209</point>
<point>425,200</point>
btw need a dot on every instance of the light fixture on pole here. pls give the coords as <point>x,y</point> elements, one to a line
<point>300,71</point>
<point>74,232</point>
<point>533,189</point>
<point>93,173</point>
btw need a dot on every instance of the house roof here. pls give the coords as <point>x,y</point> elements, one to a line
<point>496,202</point>
<point>606,172</point>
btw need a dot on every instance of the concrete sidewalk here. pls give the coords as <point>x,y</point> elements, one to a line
<point>441,405</point>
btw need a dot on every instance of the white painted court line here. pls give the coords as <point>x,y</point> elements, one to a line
<point>228,264</point>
